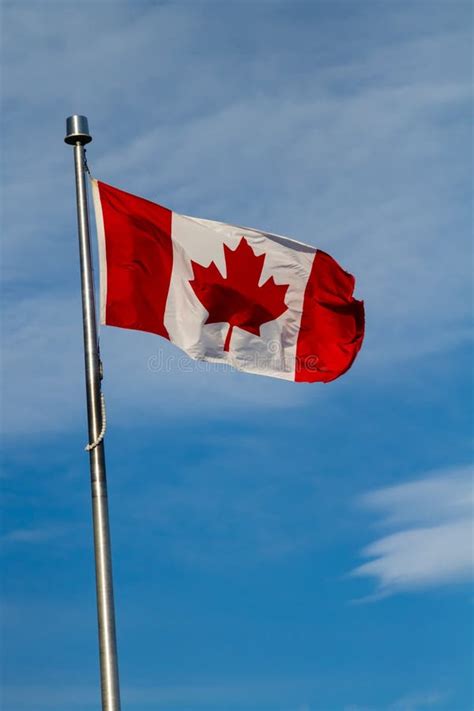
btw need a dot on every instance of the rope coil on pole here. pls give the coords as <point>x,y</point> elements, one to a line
<point>93,445</point>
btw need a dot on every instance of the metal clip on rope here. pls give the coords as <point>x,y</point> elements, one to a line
<point>93,445</point>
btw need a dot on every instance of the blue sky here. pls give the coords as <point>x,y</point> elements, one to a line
<point>276,546</point>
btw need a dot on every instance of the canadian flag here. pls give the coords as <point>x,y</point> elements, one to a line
<point>262,303</point>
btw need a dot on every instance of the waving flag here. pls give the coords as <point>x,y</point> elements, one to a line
<point>262,303</point>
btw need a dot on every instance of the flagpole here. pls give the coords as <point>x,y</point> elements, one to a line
<point>77,135</point>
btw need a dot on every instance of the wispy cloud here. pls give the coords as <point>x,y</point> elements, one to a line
<point>345,125</point>
<point>241,695</point>
<point>32,536</point>
<point>410,702</point>
<point>362,157</point>
<point>418,701</point>
<point>29,535</point>
<point>432,543</point>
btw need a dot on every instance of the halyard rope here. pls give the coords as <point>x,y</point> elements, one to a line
<point>86,167</point>
<point>93,445</point>
<point>100,437</point>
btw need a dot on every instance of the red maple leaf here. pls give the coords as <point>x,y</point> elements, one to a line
<point>238,299</point>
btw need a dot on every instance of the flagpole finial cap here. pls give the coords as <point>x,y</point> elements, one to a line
<point>77,130</point>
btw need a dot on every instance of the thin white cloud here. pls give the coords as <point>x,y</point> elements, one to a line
<point>360,155</point>
<point>249,694</point>
<point>433,541</point>
<point>29,536</point>
<point>418,701</point>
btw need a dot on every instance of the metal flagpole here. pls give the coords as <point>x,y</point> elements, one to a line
<point>77,135</point>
